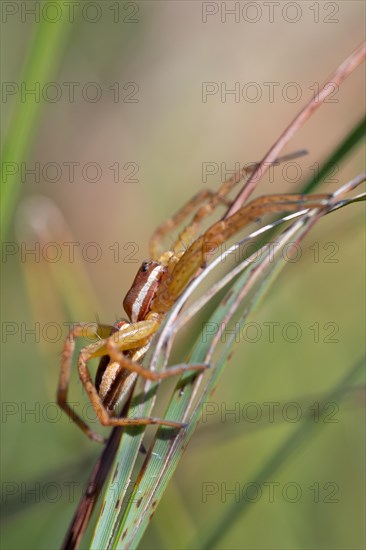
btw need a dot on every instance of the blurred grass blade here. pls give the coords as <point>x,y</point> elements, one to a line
<point>46,49</point>
<point>39,220</point>
<point>353,398</point>
<point>337,156</point>
<point>293,443</point>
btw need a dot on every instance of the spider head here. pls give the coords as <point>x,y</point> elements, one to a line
<point>143,290</point>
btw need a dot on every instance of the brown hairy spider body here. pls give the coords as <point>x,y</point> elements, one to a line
<point>155,289</point>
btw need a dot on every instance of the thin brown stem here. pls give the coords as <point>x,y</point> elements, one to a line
<point>337,77</point>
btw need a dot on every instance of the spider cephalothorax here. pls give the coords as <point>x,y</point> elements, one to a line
<point>138,299</point>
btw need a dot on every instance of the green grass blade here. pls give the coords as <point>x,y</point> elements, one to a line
<point>126,456</point>
<point>117,486</point>
<point>337,156</point>
<point>121,472</point>
<point>166,452</point>
<point>45,52</point>
<point>298,438</point>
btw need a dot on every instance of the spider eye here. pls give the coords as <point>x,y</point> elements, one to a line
<point>144,266</point>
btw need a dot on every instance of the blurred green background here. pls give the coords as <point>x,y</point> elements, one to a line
<point>159,132</point>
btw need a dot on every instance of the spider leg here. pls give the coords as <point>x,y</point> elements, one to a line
<point>174,222</point>
<point>126,339</point>
<point>97,349</point>
<point>120,369</point>
<point>132,366</point>
<point>80,330</point>
<point>220,231</point>
<point>196,255</point>
<point>213,199</point>
<point>103,414</point>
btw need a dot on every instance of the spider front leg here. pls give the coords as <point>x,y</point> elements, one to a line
<point>133,336</point>
<point>126,363</point>
<point>80,330</point>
